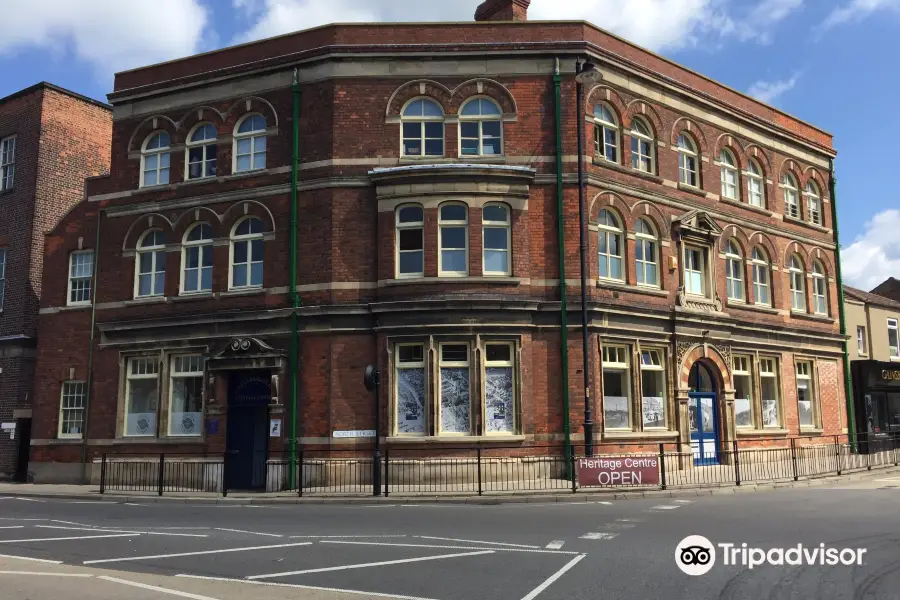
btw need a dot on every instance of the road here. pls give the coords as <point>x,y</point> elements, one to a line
<point>623,549</point>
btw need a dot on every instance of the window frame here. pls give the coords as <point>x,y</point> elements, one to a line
<point>158,153</point>
<point>506,364</point>
<point>233,239</point>
<point>810,378</point>
<point>813,196</point>
<point>480,119</point>
<point>204,146</point>
<point>617,231</point>
<point>774,373</point>
<point>155,273</point>
<point>893,349</point>
<point>797,274</point>
<point>61,420</point>
<point>744,370</point>
<point>761,265</point>
<point>790,190</point>
<point>728,165</point>
<point>819,279</point>
<point>862,344</point>
<point>688,152</point>
<point>423,138</point>
<point>454,224</point>
<point>703,253</point>
<point>659,368</point>
<point>252,136</point>
<point>637,137</point>
<point>88,278</point>
<point>755,175</point>
<point>203,245</point>
<point>601,127</point>
<point>426,405</point>
<point>734,260</point>
<point>7,162</point>
<point>449,364</point>
<point>129,377</point>
<point>398,227</point>
<point>507,226</point>
<point>623,368</point>
<point>643,240</point>
<point>4,254</point>
<point>174,374</point>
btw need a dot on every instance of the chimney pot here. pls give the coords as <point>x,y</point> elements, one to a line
<point>502,10</point>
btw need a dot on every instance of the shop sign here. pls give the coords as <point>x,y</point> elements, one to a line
<point>356,433</point>
<point>618,471</point>
<point>889,375</point>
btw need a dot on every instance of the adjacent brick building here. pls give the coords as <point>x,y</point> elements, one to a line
<point>51,139</point>
<point>428,244</point>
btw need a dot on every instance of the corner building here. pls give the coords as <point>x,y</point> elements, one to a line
<point>429,245</point>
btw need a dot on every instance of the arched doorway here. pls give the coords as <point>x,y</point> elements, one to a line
<point>703,413</point>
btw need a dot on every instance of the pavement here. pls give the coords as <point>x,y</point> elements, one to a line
<point>597,547</point>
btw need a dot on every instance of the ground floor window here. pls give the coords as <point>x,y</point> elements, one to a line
<point>498,389</point>
<point>769,386</point>
<point>71,409</point>
<point>186,395</point>
<point>653,389</point>
<point>141,396</point>
<point>410,390</point>
<point>616,388</point>
<point>743,392</point>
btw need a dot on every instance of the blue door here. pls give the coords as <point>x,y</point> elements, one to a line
<point>704,422</point>
<point>247,433</point>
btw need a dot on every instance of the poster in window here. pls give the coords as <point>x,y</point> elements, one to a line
<point>498,398</point>
<point>654,411</point>
<point>455,400</point>
<point>615,412</point>
<point>770,413</point>
<point>742,415</point>
<point>411,401</point>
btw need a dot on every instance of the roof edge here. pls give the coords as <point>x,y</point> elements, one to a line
<point>46,85</point>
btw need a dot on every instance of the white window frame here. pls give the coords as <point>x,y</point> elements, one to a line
<point>702,269</point>
<point>130,375</point>
<point>159,153</point>
<point>202,246</point>
<point>7,163</point>
<point>756,185</point>
<point>819,290</point>
<point>174,374</point>
<point>504,364</point>
<point>638,137</point>
<point>797,284</point>
<point>467,364</point>
<point>645,239</point>
<point>741,366</point>
<point>157,271</point>
<point>813,203</point>
<point>762,277</point>
<point>204,145</point>
<point>418,365</point>
<point>254,136</point>
<point>504,225</point>
<point>862,344</point>
<point>734,262</point>
<point>768,368</point>
<point>248,239</point>
<point>420,225</point>
<point>452,224</point>
<point>481,119</point>
<point>421,120</point>
<point>791,192</point>
<point>74,390</point>
<point>688,161</point>
<point>805,371</point>
<point>618,359</point>
<point>605,231</point>
<point>731,184</point>
<point>604,123</point>
<point>656,365</point>
<point>895,345</point>
<point>3,255</point>
<point>72,277</point>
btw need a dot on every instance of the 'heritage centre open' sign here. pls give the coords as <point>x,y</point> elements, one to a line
<point>618,471</point>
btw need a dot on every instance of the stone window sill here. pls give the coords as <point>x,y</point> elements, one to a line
<point>795,220</point>
<point>499,159</point>
<point>638,435</point>
<point>154,440</point>
<point>809,317</point>
<point>761,432</point>
<point>148,300</point>
<point>73,441</point>
<point>243,292</point>
<point>691,190</point>
<point>600,162</point>
<point>811,431</point>
<point>458,439</point>
<point>746,206</point>
<point>462,280</point>
<point>637,289</point>
<point>189,297</point>
<point>757,307</point>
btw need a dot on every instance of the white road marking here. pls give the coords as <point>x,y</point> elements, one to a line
<point>94,529</point>
<point>61,539</point>
<point>665,507</point>
<point>154,588</point>
<point>47,574</point>
<point>367,565</point>
<point>66,522</point>
<point>18,519</point>
<point>888,480</point>
<point>536,591</point>
<point>238,531</point>
<point>328,537</point>
<point>429,537</point>
<point>684,501</point>
<point>446,547</point>
<point>89,502</point>
<point>604,502</point>
<point>176,528</point>
<point>246,549</point>
<point>12,527</point>
<point>28,558</point>
<point>630,520</point>
<point>599,536</point>
<point>29,499</point>
<point>132,504</point>
<point>555,545</point>
<point>304,587</point>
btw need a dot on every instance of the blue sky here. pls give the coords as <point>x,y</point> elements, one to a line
<point>829,62</point>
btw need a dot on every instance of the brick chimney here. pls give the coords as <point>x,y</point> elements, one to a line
<point>502,10</point>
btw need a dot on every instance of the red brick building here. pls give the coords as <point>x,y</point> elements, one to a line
<point>50,140</point>
<point>428,244</point>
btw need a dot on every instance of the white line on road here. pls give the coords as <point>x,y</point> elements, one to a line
<point>327,537</point>
<point>684,501</point>
<point>176,528</point>
<point>366,565</point>
<point>599,536</point>
<point>89,502</point>
<point>536,591</point>
<point>95,530</point>
<point>429,537</point>
<point>605,503</point>
<point>247,549</point>
<point>304,587</point>
<point>61,539</point>
<point>28,558</point>
<point>446,547</point>
<point>12,527</point>
<point>47,574</point>
<point>66,522</point>
<point>555,545</point>
<point>665,507</point>
<point>18,519</point>
<point>144,586</point>
<point>29,499</point>
<point>239,531</point>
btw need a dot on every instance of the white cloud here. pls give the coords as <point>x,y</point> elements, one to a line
<point>758,22</point>
<point>769,91</point>
<point>875,254</point>
<point>856,10</point>
<point>112,35</point>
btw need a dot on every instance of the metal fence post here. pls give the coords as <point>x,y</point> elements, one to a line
<point>162,468</point>
<point>737,463</point>
<point>387,472</point>
<point>103,473</point>
<point>478,450</point>
<point>837,453</point>
<point>662,465</point>
<point>794,458</point>
<point>572,466</point>
<point>225,475</point>
<point>868,455</point>
<point>300,472</point>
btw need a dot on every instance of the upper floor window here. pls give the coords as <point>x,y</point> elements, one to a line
<point>423,128</point>
<point>861,342</point>
<point>247,254</point>
<point>197,260</point>
<point>609,246</point>
<point>761,278</point>
<point>250,144</point>
<point>893,338</point>
<point>695,271</point>
<point>646,254</point>
<point>642,145</point>
<point>496,231</point>
<point>155,158</point>
<point>606,134</point>
<point>819,290</point>
<point>791,206</point>
<point>729,175</point>
<point>453,240</point>
<point>798,284</point>
<point>410,241</point>
<point>688,161</point>
<point>2,275</point>
<point>7,162</point>
<point>201,153</point>
<point>150,278</point>
<point>813,203</point>
<point>480,128</point>
<point>756,189</point>
<point>81,273</point>
<point>734,272</point>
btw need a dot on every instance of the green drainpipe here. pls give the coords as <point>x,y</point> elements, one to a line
<point>90,357</point>
<point>295,299</point>
<point>563,320</point>
<point>848,388</point>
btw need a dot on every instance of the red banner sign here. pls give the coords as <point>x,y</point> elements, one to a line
<point>605,471</point>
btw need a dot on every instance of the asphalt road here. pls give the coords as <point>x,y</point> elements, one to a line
<point>605,550</point>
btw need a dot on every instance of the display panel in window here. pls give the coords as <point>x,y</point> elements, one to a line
<point>768,381</point>
<point>616,388</point>
<point>186,407</point>
<point>499,400</point>
<point>410,389</point>
<point>653,387</point>
<point>455,403</point>
<point>743,392</point>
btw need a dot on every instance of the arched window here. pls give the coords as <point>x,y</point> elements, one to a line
<point>789,186</point>
<point>761,278</point>
<point>155,159</point>
<point>480,128</point>
<point>798,284</point>
<point>646,254</point>
<point>496,230</point>
<point>819,289</point>
<point>150,275</point>
<point>250,144</point>
<point>688,161</point>
<point>423,128</point>
<point>201,154</point>
<point>734,272</point>
<point>642,146</point>
<point>606,134</point>
<point>756,190</point>
<point>247,254</point>
<point>453,240</point>
<point>609,246</point>
<point>729,175</point>
<point>813,203</point>
<point>410,241</point>
<point>197,260</point>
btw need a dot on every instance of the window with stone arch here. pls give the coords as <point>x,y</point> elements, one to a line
<point>155,160</point>
<point>762,277</point>
<point>606,134</point>
<point>688,161</point>
<point>790,191</point>
<point>734,272</point>
<point>730,183</point>
<point>250,143</point>
<point>422,129</point>
<point>609,246</point>
<point>756,189</point>
<point>480,128</point>
<point>247,249</point>
<point>798,284</point>
<point>819,289</point>
<point>813,203</point>
<point>200,157</point>
<point>646,254</point>
<point>150,263</point>
<point>197,260</point>
<point>643,145</point>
